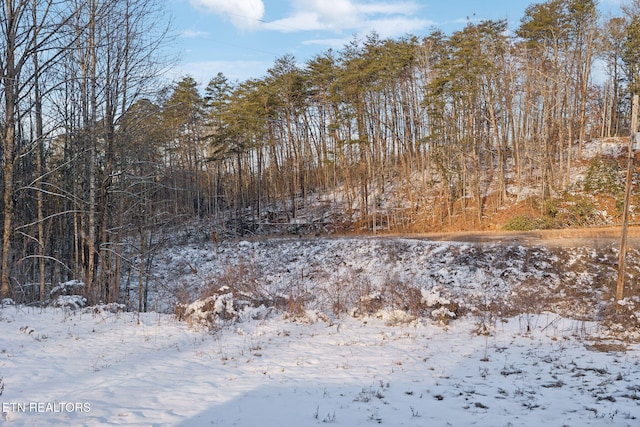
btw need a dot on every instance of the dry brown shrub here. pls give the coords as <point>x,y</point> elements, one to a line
<point>245,281</point>
<point>224,297</point>
<point>621,318</point>
<point>532,295</point>
<point>182,293</point>
<point>295,306</point>
<point>399,294</point>
<point>198,313</point>
<point>180,311</point>
<point>369,304</point>
<point>345,292</point>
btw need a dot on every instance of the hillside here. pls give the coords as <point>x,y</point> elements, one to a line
<point>484,328</point>
<point>594,198</point>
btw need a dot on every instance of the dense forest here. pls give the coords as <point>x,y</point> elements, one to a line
<point>100,158</point>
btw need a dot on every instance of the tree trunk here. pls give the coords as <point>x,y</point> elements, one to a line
<point>9,84</point>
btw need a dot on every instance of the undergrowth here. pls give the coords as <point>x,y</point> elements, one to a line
<point>577,285</point>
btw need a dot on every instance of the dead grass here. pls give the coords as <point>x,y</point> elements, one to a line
<point>607,347</point>
<point>398,294</point>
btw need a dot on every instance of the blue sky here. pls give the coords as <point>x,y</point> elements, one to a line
<point>242,38</point>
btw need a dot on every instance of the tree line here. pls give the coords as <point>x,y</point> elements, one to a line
<point>70,71</point>
<point>98,158</point>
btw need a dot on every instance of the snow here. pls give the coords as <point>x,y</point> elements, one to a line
<point>608,147</point>
<point>255,365</point>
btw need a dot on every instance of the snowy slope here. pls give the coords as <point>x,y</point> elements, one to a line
<point>488,368</point>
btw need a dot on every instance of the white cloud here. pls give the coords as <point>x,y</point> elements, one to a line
<point>399,26</point>
<point>244,14</point>
<point>385,17</point>
<point>404,8</point>
<point>191,34</point>
<point>302,21</point>
<point>203,71</point>
<point>334,43</point>
<point>333,15</point>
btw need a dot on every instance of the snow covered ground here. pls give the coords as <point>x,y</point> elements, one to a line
<point>499,367</point>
